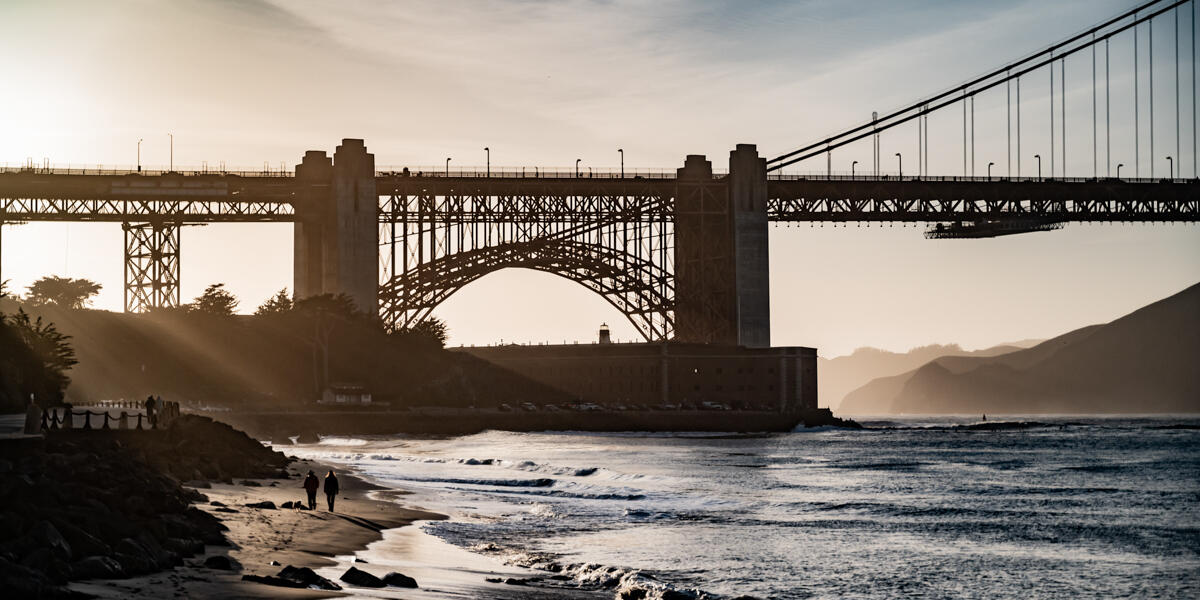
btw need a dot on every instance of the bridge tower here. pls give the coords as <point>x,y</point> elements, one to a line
<point>722,291</point>
<point>336,235</point>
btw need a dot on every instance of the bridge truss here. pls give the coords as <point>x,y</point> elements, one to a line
<point>617,239</point>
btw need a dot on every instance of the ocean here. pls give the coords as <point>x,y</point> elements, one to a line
<point>931,507</point>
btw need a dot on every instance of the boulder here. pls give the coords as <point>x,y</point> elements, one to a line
<point>307,577</point>
<point>354,576</point>
<point>399,580</point>
<point>275,581</point>
<point>96,567</point>
<point>45,535</point>
<point>288,504</point>
<point>266,504</point>
<point>251,483</point>
<point>221,562</point>
<point>184,547</point>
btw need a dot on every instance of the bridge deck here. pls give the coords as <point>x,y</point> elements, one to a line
<point>55,195</point>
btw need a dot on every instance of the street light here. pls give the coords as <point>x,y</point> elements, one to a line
<point>489,161</point>
<point>900,161</point>
<point>139,163</point>
<point>990,170</point>
<point>852,169</point>
<point>622,151</point>
<point>172,136</point>
<point>447,166</point>
<point>577,167</point>
<point>1119,165</point>
<point>1039,159</point>
<point>1172,167</point>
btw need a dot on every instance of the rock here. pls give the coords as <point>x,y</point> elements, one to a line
<point>217,503</point>
<point>221,562</point>
<point>250,483</point>
<point>45,535</point>
<point>266,504</point>
<point>46,562</point>
<point>224,510</point>
<point>515,581</point>
<point>362,578</point>
<point>301,506</point>
<point>399,580</point>
<point>198,483</point>
<point>287,504</point>
<point>494,580</point>
<point>359,560</point>
<point>307,577</point>
<point>274,563</point>
<point>184,547</point>
<point>96,567</point>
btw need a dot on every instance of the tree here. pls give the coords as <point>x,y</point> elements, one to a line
<point>215,300</point>
<point>62,291</point>
<point>278,304</point>
<point>336,305</point>
<point>51,351</point>
<point>430,333</point>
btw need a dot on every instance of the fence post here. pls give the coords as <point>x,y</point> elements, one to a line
<point>68,419</point>
<point>87,419</point>
<point>123,422</point>
<point>105,426</point>
<point>139,425</point>
<point>45,427</point>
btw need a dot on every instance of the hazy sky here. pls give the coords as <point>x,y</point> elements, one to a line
<point>250,83</point>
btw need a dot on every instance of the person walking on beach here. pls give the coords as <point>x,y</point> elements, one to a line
<point>331,489</point>
<point>311,484</point>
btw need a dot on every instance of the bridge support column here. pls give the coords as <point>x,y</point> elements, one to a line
<point>151,265</point>
<point>748,201</point>
<point>722,290</point>
<point>336,240</point>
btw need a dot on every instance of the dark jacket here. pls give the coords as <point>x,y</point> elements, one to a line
<point>331,485</point>
<point>312,484</point>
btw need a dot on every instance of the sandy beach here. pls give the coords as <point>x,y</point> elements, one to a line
<point>369,524</point>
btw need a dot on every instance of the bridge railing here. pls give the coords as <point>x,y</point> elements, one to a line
<point>530,173</point>
<point>775,176</point>
<point>102,170</point>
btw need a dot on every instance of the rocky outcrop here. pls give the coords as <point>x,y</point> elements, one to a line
<point>108,504</point>
<point>399,580</point>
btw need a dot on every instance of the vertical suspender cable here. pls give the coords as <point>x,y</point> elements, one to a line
<point>920,147</point>
<point>1018,127</point>
<point>1178,156</point>
<point>1194,89</point>
<point>926,139</point>
<point>972,135</point>
<point>1107,117</point>
<point>1137,97</point>
<point>1062,87</point>
<point>1052,109</point>
<point>1150,57</point>
<point>964,133</point>
<point>1095,152</point>
<point>1008,124</point>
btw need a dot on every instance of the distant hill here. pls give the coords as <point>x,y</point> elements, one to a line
<point>1144,362</point>
<point>836,377</point>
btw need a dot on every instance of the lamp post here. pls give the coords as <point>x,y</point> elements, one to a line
<point>139,156</point>
<point>1171,170</point>
<point>489,161</point>
<point>852,169</point>
<point>172,136</point>
<point>1039,159</point>
<point>577,167</point>
<point>447,166</point>
<point>622,152</point>
<point>1119,165</point>
<point>900,162</point>
<point>990,170</point>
